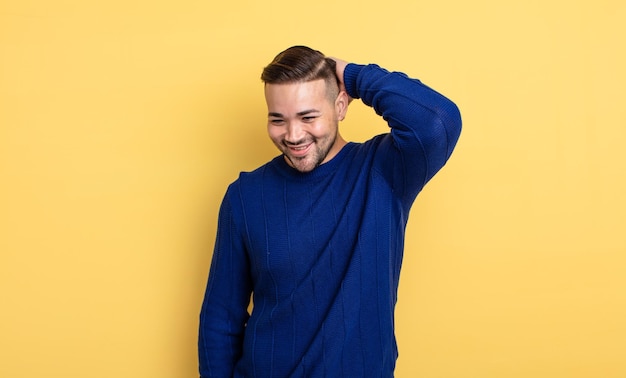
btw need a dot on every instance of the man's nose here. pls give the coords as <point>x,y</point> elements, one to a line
<point>294,134</point>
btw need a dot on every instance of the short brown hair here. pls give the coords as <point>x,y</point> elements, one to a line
<point>302,64</point>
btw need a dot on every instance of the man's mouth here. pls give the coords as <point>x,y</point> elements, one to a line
<point>300,150</point>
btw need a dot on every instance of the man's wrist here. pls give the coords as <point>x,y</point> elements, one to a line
<point>350,74</point>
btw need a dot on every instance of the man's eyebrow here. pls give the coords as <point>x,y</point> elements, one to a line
<point>299,114</point>
<point>308,111</point>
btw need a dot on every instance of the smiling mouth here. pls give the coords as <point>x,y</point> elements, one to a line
<point>299,151</point>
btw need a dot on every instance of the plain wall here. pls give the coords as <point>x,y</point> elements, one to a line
<point>122,123</point>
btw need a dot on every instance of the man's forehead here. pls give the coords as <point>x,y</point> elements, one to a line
<point>296,85</point>
<point>296,97</point>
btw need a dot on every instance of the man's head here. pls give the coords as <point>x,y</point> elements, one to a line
<point>305,106</point>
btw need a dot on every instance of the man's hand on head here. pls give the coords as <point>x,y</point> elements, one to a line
<point>340,66</point>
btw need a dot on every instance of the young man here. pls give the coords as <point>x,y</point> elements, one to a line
<point>316,235</point>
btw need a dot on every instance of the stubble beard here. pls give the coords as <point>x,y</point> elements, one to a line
<point>302,164</point>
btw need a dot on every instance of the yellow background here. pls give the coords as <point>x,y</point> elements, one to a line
<point>122,122</point>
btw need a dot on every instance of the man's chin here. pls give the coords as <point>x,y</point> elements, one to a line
<point>303,165</point>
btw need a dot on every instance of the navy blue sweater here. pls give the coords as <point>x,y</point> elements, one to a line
<point>321,251</point>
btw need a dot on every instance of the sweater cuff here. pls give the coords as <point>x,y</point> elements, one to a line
<point>350,74</point>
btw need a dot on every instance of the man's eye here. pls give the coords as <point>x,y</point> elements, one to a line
<point>276,121</point>
<point>308,119</point>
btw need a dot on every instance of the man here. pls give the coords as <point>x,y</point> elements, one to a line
<point>316,235</point>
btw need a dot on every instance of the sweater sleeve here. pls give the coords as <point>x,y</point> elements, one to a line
<point>224,310</point>
<point>425,125</point>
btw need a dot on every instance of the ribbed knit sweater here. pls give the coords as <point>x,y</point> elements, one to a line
<point>320,252</point>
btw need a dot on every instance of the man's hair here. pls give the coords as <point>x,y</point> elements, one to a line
<point>300,64</point>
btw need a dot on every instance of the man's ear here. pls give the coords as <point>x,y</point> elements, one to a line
<point>341,105</point>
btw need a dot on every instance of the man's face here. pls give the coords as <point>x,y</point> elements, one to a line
<point>303,122</point>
